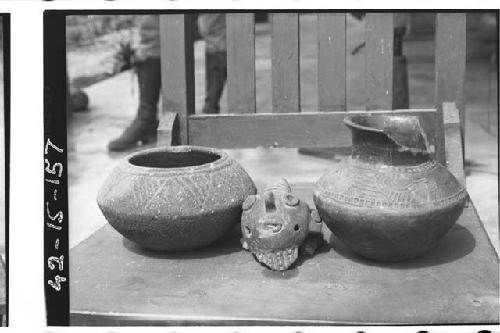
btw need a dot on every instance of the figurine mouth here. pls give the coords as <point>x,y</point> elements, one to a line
<point>278,260</point>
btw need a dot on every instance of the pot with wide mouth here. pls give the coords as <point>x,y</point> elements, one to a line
<point>176,198</point>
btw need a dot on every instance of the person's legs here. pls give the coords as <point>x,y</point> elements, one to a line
<point>143,127</point>
<point>215,78</point>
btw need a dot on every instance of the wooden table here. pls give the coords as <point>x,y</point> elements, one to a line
<point>113,282</point>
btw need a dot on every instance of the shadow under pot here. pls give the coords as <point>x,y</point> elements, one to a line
<point>389,200</point>
<point>175,199</point>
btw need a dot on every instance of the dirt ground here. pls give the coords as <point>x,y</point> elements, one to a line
<point>113,103</point>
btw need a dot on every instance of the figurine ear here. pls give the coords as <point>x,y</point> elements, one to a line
<point>315,216</point>
<point>316,223</point>
<point>249,201</point>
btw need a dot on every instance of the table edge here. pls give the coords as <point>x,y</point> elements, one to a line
<point>140,319</point>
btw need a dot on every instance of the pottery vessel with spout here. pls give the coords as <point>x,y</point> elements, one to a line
<point>389,200</point>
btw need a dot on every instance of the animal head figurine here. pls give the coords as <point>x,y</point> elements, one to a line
<point>275,224</point>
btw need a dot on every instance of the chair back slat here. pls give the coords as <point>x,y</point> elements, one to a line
<point>285,125</point>
<point>177,66</point>
<point>285,62</point>
<point>332,94</point>
<point>450,69</point>
<point>306,129</point>
<point>240,36</point>
<point>379,36</point>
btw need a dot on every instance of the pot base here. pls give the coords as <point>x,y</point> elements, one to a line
<point>389,213</point>
<point>389,236</point>
<point>182,234</point>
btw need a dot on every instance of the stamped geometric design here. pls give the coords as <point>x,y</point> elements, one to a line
<point>411,187</point>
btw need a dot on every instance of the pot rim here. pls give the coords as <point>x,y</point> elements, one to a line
<point>223,160</point>
<point>350,120</point>
<point>416,142</point>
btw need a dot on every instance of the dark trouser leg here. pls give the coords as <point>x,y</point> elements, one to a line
<point>215,78</point>
<point>143,127</point>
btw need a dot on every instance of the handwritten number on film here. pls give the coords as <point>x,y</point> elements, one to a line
<point>53,173</point>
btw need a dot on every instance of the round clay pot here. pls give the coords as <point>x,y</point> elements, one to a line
<point>176,198</point>
<point>389,200</point>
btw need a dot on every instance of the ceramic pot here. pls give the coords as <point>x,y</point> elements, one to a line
<point>389,200</point>
<point>176,198</point>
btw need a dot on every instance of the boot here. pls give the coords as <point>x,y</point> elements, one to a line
<point>143,127</point>
<point>215,78</point>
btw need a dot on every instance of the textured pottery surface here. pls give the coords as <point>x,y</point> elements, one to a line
<point>389,200</point>
<point>175,199</point>
<point>275,224</point>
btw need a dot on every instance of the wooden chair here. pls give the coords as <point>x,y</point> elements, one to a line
<point>285,125</point>
<point>222,285</point>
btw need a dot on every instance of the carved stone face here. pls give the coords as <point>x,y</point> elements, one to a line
<point>273,226</point>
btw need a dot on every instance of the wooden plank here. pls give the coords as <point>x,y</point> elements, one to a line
<point>308,129</point>
<point>450,63</point>
<point>453,140</point>
<point>177,68</point>
<point>332,61</point>
<point>379,36</point>
<point>220,284</point>
<point>400,90</point>
<point>168,130</point>
<point>240,39</point>
<point>285,62</point>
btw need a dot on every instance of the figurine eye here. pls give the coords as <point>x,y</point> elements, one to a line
<point>248,231</point>
<point>249,201</point>
<point>296,228</point>
<point>291,200</point>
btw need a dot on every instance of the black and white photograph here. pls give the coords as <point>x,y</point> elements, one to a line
<point>272,168</point>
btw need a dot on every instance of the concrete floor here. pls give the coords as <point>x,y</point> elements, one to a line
<point>113,103</point>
